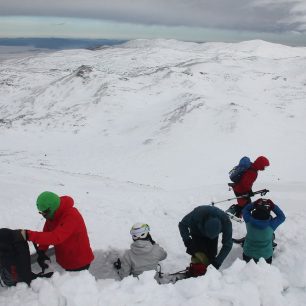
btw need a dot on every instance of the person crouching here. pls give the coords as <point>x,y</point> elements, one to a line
<point>260,227</point>
<point>143,255</point>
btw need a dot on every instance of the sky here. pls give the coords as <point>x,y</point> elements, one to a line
<point>281,21</point>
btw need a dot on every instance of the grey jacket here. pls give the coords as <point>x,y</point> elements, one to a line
<point>143,256</point>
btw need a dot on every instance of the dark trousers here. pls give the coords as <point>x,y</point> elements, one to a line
<point>208,246</point>
<point>79,269</point>
<point>247,259</point>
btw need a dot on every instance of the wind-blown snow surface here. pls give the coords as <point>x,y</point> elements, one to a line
<point>145,132</point>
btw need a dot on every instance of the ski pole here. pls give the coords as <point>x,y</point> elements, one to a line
<point>178,272</point>
<point>262,192</point>
<point>158,270</point>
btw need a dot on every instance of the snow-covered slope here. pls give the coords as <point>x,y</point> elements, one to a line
<point>146,131</point>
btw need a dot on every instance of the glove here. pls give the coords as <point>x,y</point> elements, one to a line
<point>190,247</point>
<point>267,203</point>
<point>117,264</point>
<point>41,258</point>
<point>215,264</point>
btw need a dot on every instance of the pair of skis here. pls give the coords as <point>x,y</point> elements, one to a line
<point>167,278</point>
<point>261,192</point>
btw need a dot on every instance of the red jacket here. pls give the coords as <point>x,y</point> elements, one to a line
<point>249,177</point>
<point>246,182</point>
<point>245,185</point>
<point>67,232</point>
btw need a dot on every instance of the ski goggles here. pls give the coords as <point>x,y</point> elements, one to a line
<point>45,213</point>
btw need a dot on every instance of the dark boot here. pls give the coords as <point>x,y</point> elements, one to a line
<point>235,210</point>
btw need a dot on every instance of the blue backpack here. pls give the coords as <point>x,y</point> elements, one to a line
<point>236,173</point>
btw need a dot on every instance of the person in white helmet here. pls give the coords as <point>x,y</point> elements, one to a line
<point>144,254</point>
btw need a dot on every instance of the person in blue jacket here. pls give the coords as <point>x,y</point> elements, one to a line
<point>200,230</point>
<point>260,226</point>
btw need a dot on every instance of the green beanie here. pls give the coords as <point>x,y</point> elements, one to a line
<point>48,200</point>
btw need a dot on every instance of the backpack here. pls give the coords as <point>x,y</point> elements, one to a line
<point>15,259</point>
<point>236,173</point>
<point>15,262</point>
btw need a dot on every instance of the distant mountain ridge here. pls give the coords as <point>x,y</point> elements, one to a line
<point>150,102</point>
<point>78,85</point>
<point>59,43</point>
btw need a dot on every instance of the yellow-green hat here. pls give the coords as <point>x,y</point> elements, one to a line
<point>48,201</point>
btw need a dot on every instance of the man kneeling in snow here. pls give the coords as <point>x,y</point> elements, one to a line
<point>200,230</point>
<point>144,254</point>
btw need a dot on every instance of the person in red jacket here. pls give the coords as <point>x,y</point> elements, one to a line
<point>245,184</point>
<point>65,229</point>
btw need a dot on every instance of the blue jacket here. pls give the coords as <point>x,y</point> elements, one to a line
<point>259,237</point>
<point>192,224</point>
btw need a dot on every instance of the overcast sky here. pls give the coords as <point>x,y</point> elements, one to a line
<point>269,17</point>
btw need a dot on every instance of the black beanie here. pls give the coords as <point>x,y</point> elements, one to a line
<point>260,213</point>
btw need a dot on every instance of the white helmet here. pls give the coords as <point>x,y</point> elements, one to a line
<point>140,231</point>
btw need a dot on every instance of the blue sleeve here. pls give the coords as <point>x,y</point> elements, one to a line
<point>184,226</point>
<point>246,212</point>
<point>279,219</point>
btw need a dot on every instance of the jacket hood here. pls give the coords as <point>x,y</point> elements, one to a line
<point>210,227</point>
<point>66,203</point>
<point>141,247</point>
<point>260,163</point>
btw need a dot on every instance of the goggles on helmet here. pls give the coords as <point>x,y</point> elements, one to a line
<point>139,231</point>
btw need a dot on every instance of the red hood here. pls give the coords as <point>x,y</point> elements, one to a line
<point>65,204</point>
<point>260,163</point>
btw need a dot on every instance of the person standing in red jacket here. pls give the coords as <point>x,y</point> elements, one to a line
<point>65,229</point>
<point>245,184</point>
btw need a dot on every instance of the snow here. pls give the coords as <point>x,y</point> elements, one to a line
<point>145,132</point>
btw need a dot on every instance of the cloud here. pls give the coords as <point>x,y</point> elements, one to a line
<point>246,15</point>
<point>295,19</point>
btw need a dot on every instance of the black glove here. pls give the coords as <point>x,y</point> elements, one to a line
<point>41,258</point>
<point>117,264</point>
<point>190,247</point>
<point>215,264</point>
